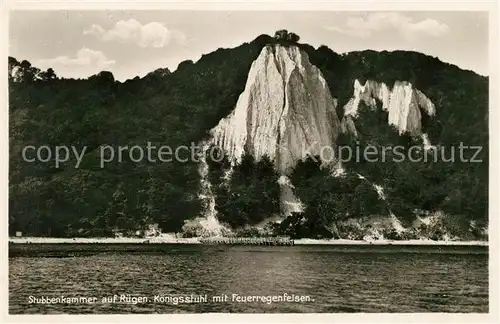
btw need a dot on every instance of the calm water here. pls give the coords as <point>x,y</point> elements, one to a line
<point>333,279</point>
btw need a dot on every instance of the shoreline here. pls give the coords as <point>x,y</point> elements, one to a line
<point>195,240</point>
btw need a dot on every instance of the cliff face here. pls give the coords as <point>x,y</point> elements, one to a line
<point>180,107</point>
<point>285,111</point>
<point>403,102</point>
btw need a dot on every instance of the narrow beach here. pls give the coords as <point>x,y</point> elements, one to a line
<point>174,240</point>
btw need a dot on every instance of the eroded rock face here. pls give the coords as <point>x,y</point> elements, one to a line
<point>403,102</point>
<point>285,112</point>
<point>347,126</point>
<point>404,105</point>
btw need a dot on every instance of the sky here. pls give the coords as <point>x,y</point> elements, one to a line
<point>78,44</point>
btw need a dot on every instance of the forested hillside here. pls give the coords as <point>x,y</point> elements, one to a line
<point>178,108</point>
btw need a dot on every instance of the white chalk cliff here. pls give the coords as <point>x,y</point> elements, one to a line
<point>403,102</point>
<point>404,105</point>
<point>285,112</point>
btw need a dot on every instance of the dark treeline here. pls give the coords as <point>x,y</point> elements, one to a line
<point>177,108</point>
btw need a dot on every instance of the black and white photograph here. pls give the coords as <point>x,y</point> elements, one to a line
<point>194,161</point>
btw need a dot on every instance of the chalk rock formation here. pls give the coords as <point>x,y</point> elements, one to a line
<point>403,102</point>
<point>285,112</point>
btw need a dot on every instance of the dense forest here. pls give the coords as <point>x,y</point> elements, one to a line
<point>178,108</point>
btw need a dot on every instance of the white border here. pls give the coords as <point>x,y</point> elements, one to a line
<point>365,5</point>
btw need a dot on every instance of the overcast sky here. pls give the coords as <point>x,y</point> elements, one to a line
<point>133,43</point>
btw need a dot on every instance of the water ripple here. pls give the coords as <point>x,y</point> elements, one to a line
<point>336,281</point>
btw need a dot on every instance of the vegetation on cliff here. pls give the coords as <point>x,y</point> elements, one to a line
<point>177,108</point>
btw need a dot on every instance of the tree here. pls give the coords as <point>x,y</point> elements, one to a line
<point>28,73</point>
<point>13,64</point>
<point>184,64</point>
<point>159,73</point>
<point>251,195</point>
<point>281,34</point>
<point>292,37</point>
<point>50,75</point>
<point>104,77</point>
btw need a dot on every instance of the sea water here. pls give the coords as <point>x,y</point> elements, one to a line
<point>249,279</point>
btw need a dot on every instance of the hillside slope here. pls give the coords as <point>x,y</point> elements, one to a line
<point>181,107</point>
